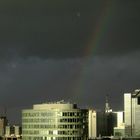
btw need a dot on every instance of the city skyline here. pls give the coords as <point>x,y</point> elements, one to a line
<point>65,120</point>
<point>75,50</point>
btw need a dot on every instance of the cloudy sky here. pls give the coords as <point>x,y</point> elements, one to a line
<point>78,51</point>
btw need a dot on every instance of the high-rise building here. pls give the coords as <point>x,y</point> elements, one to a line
<point>132,113</point>
<point>54,121</point>
<point>101,123</point>
<point>92,124</point>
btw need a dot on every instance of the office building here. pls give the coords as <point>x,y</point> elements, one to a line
<point>54,121</point>
<point>119,130</point>
<point>132,113</point>
<point>92,124</point>
<point>101,123</point>
<point>97,124</point>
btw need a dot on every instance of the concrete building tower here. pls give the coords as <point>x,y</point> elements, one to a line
<point>92,124</point>
<point>132,113</point>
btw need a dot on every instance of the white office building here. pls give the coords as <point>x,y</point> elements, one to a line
<point>92,124</point>
<point>54,121</point>
<point>132,113</point>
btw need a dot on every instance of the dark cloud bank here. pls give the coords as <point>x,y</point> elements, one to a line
<point>62,29</point>
<point>42,53</point>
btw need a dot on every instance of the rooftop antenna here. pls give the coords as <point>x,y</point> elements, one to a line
<point>5,111</point>
<point>107,106</point>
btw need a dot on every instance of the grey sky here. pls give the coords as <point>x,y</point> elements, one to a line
<point>42,52</point>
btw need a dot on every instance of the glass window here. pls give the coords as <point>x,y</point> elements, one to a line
<point>138,100</point>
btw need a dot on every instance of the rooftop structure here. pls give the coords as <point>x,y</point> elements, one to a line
<point>107,106</point>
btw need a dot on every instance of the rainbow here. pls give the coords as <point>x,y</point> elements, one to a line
<point>96,40</point>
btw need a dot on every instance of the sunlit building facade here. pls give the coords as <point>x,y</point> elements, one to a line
<point>132,113</point>
<point>54,121</point>
<point>3,123</point>
<point>12,131</point>
<point>119,130</point>
<point>101,123</point>
<point>92,124</point>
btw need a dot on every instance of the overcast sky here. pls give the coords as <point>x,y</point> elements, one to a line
<point>78,51</point>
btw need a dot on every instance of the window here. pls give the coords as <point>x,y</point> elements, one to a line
<point>138,100</point>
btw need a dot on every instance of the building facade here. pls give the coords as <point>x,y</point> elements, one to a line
<point>119,130</point>
<point>101,123</point>
<point>92,124</point>
<point>132,113</point>
<point>3,123</point>
<point>13,131</point>
<point>54,121</point>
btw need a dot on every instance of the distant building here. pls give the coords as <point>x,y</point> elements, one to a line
<point>3,123</point>
<point>8,131</point>
<point>12,131</point>
<point>132,113</point>
<point>106,123</point>
<point>92,124</point>
<point>119,130</point>
<point>54,121</point>
<point>107,106</point>
<point>17,131</point>
<point>110,118</point>
<point>101,123</point>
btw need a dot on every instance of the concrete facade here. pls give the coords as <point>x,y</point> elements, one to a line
<point>119,131</point>
<point>3,123</point>
<point>54,121</point>
<point>132,113</point>
<point>92,124</point>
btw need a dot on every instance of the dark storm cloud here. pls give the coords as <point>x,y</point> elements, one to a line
<point>41,31</point>
<point>59,29</point>
<point>27,82</point>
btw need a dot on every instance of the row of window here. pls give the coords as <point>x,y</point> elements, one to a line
<point>52,132</point>
<point>69,132</point>
<point>73,113</point>
<point>43,126</point>
<point>38,120</point>
<point>52,138</point>
<point>31,132</point>
<point>47,120</point>
<point>66,120</point>
<point>38,114</point>
<point>46,114</point>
